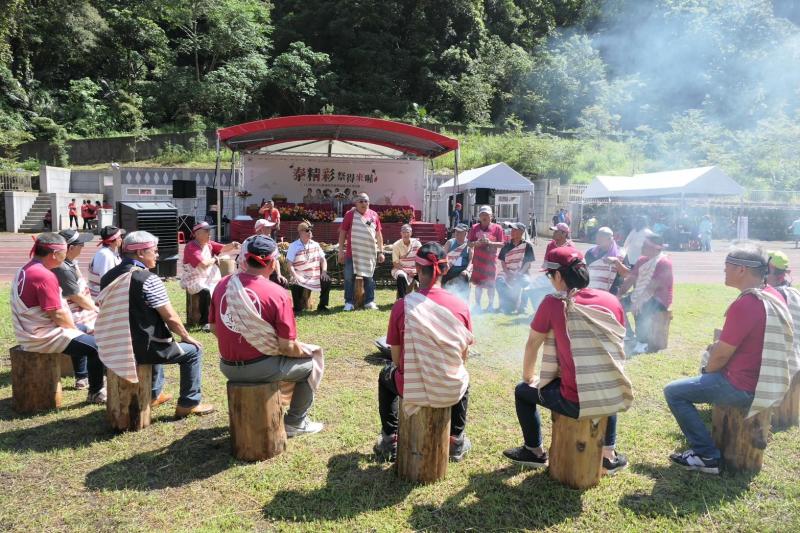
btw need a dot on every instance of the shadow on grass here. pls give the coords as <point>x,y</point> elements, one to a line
<point>59,434</point>
<point>197,455</point>
<point>678,492</point>
<point>488,502</point>
<point>377,359</point>
<point>350,489</point>
<point>5,379</point>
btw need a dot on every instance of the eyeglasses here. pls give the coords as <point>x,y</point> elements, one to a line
<point>306,230</point>
<point>362,201</point>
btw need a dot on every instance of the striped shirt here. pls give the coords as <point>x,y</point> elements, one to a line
<point>155,292</point>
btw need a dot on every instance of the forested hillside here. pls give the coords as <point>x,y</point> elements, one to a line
<point>678,82</point>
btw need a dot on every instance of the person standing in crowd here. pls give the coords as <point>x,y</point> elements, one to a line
<point>85,214</point>
<point>91,214</point>
<point>704,229</point>
<point>269,213</point>
<point>591,227</point>
<point>459,259</point>
<point>602,260</point>
<point>200,266</point>
<point>635,239</point>
<point>430,332</point>
<point>404,266</point>
<point>106,258</point>
<point>361,231</point>
<point>516,257</point>
<point>743,366</point>
<point>651,280</point>
<point>456,216</point>
<point>794,229</point>
<point>309,269</point>
<point>257,335</point>
<point>140,314</point>
<point>42,322</point>
<point>73,213</point>
<point>97,207</point>
<point>485,238</point>
<point>778,275</point>
<point>581,330</point>
<point>561,234</point>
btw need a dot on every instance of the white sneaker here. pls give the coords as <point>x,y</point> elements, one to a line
<point>372,306</point>
<point>640,348</point>
<point>97,397</point>
<point>206,328</point>
<point>308,428</point>
<point>348,307</point>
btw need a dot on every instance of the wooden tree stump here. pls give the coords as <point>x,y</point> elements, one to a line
<point>659,331</point>
<point>787,414</point>
<point>576,451</point>
<point>128,404</point>
<point>66,366</point>
<point>256,420</point>
<point>35,381</point>
<point>359,296</point>
<point>227,266</point>
<point>423,444</point>
<point>287,390</point>
<point>741,441</point>
<point>193,313</point>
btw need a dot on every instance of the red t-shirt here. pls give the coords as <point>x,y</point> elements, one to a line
<point>270,299</point>
<point>73,210</point>
<point>273,216</point>
<point>662,277</point>
<point>193,253</point>
<point>397,322</point>
<point>745,323</point>
<point>40,287</point>
<point>551,316</point>
<point>347,225</point>
<point>493,232</point>
<point>84,211</point>
<point>553,244</point>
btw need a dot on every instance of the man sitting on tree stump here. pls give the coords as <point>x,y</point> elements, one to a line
<point>581,372</point>
<point>430,332</point>
<point>748,367</point>
<point>515,258</point>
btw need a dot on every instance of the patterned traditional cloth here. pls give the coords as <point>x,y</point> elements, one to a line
<point>433,343</point>
<point>243,318</point>
<point>81,316</point>
<point>792,296</point>
<point>596,340</point>
<point>407,260</point>
<point>306,266</point>
<point>34,329</point>
<point>514,259</point>
<point>602,273</point>
<point>644,289</point>
<point>364,247</point>
<point>778,355</point>
<point>484,265</point>
<point>112,328</point>
<point>200,278</point>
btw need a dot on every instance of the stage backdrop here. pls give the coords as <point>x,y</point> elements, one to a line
<point>396,182</point>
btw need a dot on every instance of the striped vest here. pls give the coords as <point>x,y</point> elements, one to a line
<point>306,266</point>
<point>408,263</point>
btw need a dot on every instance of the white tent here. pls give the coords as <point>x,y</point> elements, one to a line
<point>705,181</point>
<point>499,176</point>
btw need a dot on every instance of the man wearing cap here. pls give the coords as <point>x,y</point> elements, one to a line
<point>516,257</point>
<point>134,296</point>
<point>581,331</point>
<point>404,266</point>
<point>106,258</point>
<point>456,216</point>
<point>635,240</point>
<point>200,270</point>
<point>430,332</point>
<point>485,238</point>
<point>602,260</point>
<point>272,215</point>
<point>459,261</point>
<point>361,230</point>
<point>561,233</point>
<point>777,277</point>
<point>257,335</point>
<point>309,269</point>
<point>41,319</point>
<point>748,367</point>
<point>651,280</point>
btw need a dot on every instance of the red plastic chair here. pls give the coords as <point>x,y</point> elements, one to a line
<point>181,238</point>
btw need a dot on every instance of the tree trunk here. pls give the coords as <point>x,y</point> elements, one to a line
<point>359,290</point>
<point>35,381</point>
<point>192,309</point>
<point>227,267</point>
<point>128,404</point>
<point>423,445</point>
<point>741,441</point>
<point>787,414</point>
<point>576,451</point>
<point>256,420</point>
<point>287,390</point>
<point>659,331</point>
<point>66,365</point>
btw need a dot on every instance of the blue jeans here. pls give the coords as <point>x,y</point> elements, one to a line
<point>350,285</point>
<point>191,364</point>
<point>85,361</point>
<point>683,394</point>
<point>526,399</point>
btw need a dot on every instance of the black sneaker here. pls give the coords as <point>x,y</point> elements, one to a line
<point>386,448</point>
<point>691,461</point>
<point>459,447</point>
<point>524,456</point>
<point>620,462</point>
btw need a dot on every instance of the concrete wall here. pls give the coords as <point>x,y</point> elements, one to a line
<point>54,179</point>
<point>17,204</point>
<point>89,181</point>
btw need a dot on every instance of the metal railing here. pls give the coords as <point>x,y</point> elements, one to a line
<point>16,181</point>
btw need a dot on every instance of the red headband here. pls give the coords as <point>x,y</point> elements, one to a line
<point>258,259</point>
<point>139,246</point>
<point>52,246</point>
<point>432,260</point>
<point>111,238</point>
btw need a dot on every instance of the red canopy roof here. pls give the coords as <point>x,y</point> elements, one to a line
<point>394,135</point>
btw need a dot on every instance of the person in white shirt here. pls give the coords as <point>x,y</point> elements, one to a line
<point>309,269</point>
<point>635,240</point>
<point>106,258</point>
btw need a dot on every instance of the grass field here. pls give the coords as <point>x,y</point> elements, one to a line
<point>66,471</point>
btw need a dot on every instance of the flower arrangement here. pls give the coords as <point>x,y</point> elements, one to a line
<point>397,214</point>
<point>298,212</point>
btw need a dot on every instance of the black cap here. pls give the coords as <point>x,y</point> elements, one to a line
<point>518,225</point>
<point>261,245</point>
<point>74,237</point>
<point>461,227</point>
<point>107,231</point>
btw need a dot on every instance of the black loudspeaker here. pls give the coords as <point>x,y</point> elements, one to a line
<point>482,196</point>
<point>211,199</point>
<point>184,189</point>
